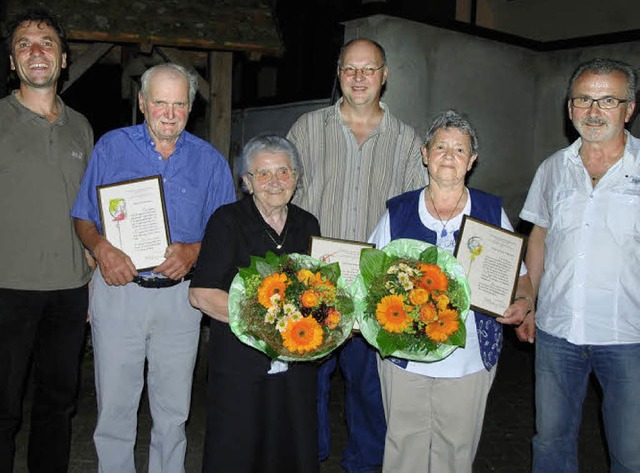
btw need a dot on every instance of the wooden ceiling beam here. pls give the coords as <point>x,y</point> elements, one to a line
<point>267,49</point>
<point>79,66</point>
<point>219,109</point>
<point>175,55</point>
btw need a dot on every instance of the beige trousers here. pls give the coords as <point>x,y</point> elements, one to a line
<point>433,424</point>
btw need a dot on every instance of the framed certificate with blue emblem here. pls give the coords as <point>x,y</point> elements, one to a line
<point>134,219</point>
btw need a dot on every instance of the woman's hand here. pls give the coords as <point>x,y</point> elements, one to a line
<point>212,302</point>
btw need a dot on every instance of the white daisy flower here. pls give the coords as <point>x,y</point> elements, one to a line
<point>281,326</point>
<point>405,281</point>
<point>288,308</point>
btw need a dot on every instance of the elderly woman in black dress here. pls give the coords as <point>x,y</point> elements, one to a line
<point>261,414</point>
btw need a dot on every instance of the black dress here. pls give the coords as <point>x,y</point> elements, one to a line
<point>256,422</point>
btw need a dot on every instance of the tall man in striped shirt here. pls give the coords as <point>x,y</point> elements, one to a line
<point>356,154</point>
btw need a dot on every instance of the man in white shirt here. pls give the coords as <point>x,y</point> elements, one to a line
<point>584,260</point>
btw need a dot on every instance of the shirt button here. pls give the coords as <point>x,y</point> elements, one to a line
<point>164,179</point>
<point>184,191</point>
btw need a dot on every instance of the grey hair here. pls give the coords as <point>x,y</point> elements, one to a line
<point>191,78</point>
<point>377,45</point>
<point>600,66</point>
<point>270,144</point>
<point>452,119</point>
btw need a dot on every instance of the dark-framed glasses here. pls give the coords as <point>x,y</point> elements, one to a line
<point>605,103</point>
<point>265,175</point>
<point>367,71</point>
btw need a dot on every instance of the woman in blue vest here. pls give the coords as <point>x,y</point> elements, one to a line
<point>435,411</point>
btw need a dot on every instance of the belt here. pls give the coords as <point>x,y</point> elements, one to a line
<point>157,283</point>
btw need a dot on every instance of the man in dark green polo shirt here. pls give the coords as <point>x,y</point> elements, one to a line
<point>44,148</point>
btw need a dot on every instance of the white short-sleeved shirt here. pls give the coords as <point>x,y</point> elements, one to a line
<point>589,288</point>
<point>463,361</point>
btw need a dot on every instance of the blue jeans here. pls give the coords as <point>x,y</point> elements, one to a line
<point>562,374</point>
<point>364,412</point>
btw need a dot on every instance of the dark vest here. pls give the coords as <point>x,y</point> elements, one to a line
<point>405,223</point>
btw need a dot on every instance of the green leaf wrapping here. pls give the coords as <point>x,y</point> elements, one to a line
<point>374,263</point>
<point>246,314</point>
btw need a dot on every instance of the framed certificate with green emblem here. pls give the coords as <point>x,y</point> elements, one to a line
<point>134,219</point>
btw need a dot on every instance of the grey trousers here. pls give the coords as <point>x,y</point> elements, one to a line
<point>131,324</point>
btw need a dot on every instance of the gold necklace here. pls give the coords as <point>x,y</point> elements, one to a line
<point>284,237</point>
<point>443,233</point>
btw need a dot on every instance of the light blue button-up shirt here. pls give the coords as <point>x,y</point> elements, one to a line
<point>196,178</point>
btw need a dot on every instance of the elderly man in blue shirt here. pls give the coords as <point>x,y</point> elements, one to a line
<point>147,316</point>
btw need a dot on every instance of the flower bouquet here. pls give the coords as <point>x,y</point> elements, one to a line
<point>413,299</point>
<point>291,307</point>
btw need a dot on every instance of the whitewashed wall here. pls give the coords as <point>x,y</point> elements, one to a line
<point>514,96</point>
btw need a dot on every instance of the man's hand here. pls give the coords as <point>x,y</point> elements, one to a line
<point>180,258</point>
<point>526,331</point>
<point>516,312</point>
<point>116,267</point>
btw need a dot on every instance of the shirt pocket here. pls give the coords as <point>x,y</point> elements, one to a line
<point>190,203</point>
<point>623,216</point>
<point>566,211</point>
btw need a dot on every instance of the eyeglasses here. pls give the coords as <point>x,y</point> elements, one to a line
<point>368,71</point>
<point>605,103</point>
<point>265,175</point>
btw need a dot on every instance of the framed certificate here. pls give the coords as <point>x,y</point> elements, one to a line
<point>345,252</point>
<point>134,219</point>
<point>491,257</point>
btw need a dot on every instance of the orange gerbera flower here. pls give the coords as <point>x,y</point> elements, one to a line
<point>302,336</point>
<point>273,284</point>
<point>418,296</point>
<point>433,279</point>
<point>391,314</point>
<point>304,276</point>
<point>428,313</point>
<point>309,298</point>
<point>333,319</point>
<point>446,324</point>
